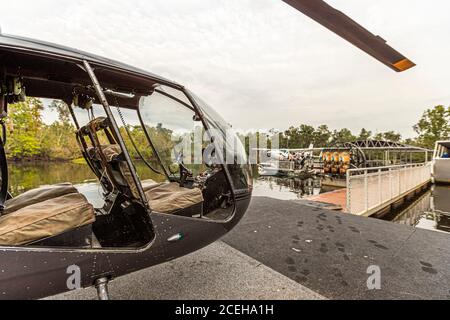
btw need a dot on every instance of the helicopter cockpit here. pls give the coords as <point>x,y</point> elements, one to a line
<point>156,149</point>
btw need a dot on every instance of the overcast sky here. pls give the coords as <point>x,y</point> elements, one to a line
<point>261,63</point>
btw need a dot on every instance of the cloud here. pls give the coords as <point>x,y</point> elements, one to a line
<point>262,64</point>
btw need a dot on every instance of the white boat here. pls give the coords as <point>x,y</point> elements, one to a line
<point>441,162</point>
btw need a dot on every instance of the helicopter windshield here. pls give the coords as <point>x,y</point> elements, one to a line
<point>235,156</point>
<point>173,130</point>
<point>180,135</point>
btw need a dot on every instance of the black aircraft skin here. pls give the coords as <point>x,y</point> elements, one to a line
<point>38,272</point>
<point>28,273</point>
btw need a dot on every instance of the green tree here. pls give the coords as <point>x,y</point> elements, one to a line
<point>24,124</point>
<point>410,142</point>
<point>290,138</point>
<point>303,136</point>
<point>63,111</point>
<point>389,136</point>
<point>59,138</point>
<point>341,136</point>
<point>364,135</point>
<point>306,136</point>
<point>433,126</point>
<point>322,136</point>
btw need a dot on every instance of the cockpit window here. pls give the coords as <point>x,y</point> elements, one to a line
<point>234,155</point>
<point>173,128</point>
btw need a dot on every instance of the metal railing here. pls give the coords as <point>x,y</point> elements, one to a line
<point>371,189</point>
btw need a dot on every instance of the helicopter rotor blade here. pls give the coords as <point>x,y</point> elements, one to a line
<point>351,31</point>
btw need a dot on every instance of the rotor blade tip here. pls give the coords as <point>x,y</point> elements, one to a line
<point>403,65</point>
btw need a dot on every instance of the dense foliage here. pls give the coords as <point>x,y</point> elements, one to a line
<point>434,126</point>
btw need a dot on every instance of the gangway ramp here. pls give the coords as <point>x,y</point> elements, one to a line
<point>370,190</point>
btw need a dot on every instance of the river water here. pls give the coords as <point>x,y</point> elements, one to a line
<point>430,211</point>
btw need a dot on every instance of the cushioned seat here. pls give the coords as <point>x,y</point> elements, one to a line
<point>45,219</point>
<point>148,184</point>
<point>121,174</point>
<point>38,195</point>
<point>170,197</point>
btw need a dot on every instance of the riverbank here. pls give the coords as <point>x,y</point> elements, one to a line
<point>51,160</point>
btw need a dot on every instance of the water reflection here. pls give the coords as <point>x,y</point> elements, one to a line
<point>289,188</point>
<point>431,211</point>
<point>28,176</point>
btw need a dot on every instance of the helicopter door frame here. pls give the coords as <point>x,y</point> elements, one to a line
<point>116,133</point>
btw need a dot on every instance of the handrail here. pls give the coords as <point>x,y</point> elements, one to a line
<point>390,167</point>
<point>371,189</point>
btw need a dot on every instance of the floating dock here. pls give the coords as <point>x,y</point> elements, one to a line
<point>373,191</point>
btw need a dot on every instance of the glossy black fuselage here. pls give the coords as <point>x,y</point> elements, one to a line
<point>32,273</point>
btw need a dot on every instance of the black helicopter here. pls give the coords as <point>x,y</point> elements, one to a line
<point>49,234</point>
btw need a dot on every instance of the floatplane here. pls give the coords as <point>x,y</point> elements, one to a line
<point>281,162</point>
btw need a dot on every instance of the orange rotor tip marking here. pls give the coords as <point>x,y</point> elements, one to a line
<point>404,65</point>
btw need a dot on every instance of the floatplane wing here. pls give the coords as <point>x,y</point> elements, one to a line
<point>311,148</point>
<point>351,31</point>
<point>304,150</point>
<point>289,150</point>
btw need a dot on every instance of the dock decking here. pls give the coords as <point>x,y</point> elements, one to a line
<point>337,198</point>
<point>330,252</point>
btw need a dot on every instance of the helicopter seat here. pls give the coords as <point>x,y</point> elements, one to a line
<point>170,198</point>
<point>50,217</point>
<point>148,184</point>
<point>116,167</point>
<point>38,195</point>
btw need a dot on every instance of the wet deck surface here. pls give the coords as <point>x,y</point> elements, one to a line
<point>331,252</point>
<point>337,198</point>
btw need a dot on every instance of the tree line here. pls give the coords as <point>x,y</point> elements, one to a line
<point>434,125</point>
<point>29,138</point>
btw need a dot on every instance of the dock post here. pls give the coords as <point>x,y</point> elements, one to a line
<point>391,187</point>
<point>349,210</point>
<point>366,189</point>
<point>380,187</point>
